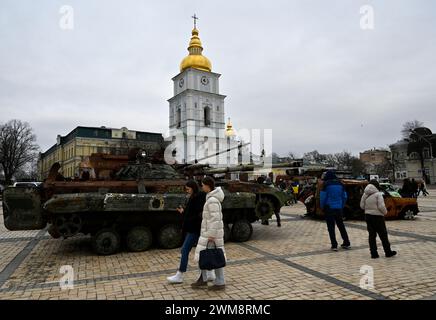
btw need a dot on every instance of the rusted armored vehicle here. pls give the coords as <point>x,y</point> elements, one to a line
<point>131,202</point>
<point>398,208</point>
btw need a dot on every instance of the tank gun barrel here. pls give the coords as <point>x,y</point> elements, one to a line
<point>293,164</point>
<point>252,167</point>
<point>221,152</point>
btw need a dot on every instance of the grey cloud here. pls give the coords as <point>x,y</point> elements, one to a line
<point>303,68</point>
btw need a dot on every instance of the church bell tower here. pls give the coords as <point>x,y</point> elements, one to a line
<point>196,110</point>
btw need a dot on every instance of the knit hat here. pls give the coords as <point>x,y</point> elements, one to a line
<point>330,175</point>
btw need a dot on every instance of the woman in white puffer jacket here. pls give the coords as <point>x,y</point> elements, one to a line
<point>374,205</point>
<point>212,229</point>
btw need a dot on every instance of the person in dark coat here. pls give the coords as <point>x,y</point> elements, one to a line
<point>406,190</point>
<point>415,188</point>
<point>191,226</point>
<point>332,200</point>
<point>423,189</point>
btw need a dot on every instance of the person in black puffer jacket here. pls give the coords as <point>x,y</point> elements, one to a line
<point>192,216</point>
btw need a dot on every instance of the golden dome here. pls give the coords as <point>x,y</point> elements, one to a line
<point>229,130</point>
<point>195,59</point>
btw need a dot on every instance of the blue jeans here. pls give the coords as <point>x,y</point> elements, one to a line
<point>219,276</point>
<point>190,241</point>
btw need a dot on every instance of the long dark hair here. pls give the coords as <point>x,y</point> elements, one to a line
<point>193,185</point>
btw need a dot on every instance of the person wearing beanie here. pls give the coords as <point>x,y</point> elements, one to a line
<point>374,205</point>
<point>332,200</point>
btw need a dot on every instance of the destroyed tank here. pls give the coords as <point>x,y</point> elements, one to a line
<point>131,203</point>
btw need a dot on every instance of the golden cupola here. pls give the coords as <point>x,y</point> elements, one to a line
<point>195,59</point>
<point>230,132</point>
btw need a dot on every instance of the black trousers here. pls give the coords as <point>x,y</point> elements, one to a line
<point>376,226</point>
<point>334,217</point>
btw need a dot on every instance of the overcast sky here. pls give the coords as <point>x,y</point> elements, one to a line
<point>306,69</point>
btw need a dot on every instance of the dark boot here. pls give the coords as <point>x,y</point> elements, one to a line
<point>216,287</point>
<point>391,254</point>
<point>199,284</point>
<point>374,255</point>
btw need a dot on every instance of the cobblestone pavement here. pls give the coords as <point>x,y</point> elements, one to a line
<point>291,262</point>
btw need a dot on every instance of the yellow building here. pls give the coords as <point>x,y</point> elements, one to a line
<point>80,143</point>
<point>375,156</point>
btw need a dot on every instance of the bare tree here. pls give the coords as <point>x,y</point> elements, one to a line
<point>314,157</point>
<point>344,160</point>
<point>291,156</point>
<point>275,158</point>
<point>384,169</point>
<point>419,143</point>
<point>29,172</point>
<point>410,125</point>
<point>17,147</point>
<point>331,160</point>
<point>357,167</point>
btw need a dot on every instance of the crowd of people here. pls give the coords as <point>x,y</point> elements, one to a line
<point>292,188</point>
<point>203,220</point>
<point>413,188</point>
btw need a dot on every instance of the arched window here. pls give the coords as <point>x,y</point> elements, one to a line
<point>179,118</point>
<point>207,116</point>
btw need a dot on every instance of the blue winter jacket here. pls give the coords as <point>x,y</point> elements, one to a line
<point>333,195</point>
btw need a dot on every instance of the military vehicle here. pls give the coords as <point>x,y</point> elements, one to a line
<point>131,201</point>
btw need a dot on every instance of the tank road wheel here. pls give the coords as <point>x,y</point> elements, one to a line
<point>106,242</point>
<point>264,209</point>
<point>54,232</point>
<point>170,236</point>
<point>227,232</point>
<point>139,239</point>
<point>242,231</point>
<point>68,226</point>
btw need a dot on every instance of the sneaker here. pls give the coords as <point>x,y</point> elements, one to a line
<point>346,246</point>
<point>334,248</point>
<point>391,254</point>
<point>216,287</point>
<point>177,278</point>
<point>199,284</point>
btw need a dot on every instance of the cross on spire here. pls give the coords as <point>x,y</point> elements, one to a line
<point>195,20</point>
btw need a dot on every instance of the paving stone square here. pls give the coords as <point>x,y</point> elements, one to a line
<point>293,262</point>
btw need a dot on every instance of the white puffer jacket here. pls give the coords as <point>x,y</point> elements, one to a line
<point>212,225</point>
<point>373,202</point>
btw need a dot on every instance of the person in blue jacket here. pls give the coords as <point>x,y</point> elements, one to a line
<point>332,200</point>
